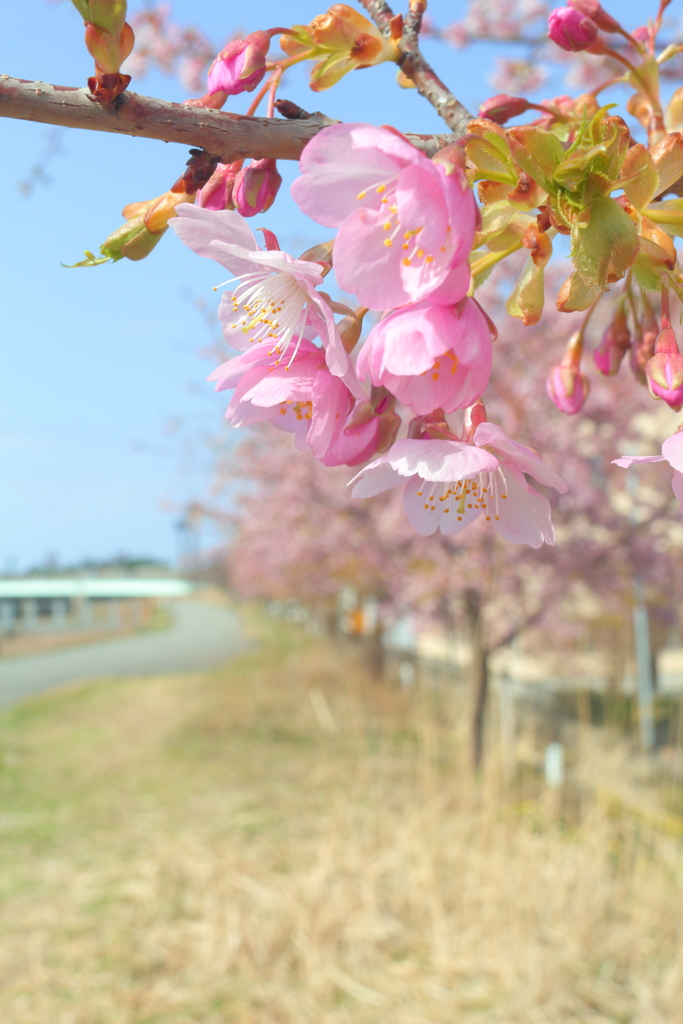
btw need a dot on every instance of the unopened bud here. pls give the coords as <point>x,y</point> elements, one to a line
<point>643,347</point>
<point>388,427</point>
<point>256,187</point>
<point>501,108</point>
<point>109,50</point>
<point>571,30</point>
<point>432,425</point>
<point>240,65</point>
<point>567,387</point>
<point>132,241</point>
<point>593,10</point>
<point>474,415</point>
<point>350,329</point>
<point>665,370</point>
<point>452,159</point>
<point>322,254</point>
<point>614,345</point>
<point>217,193</point>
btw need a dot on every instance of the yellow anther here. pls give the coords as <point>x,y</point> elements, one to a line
<point>381,188</point>
<point>361,195</point>
<point>406,261</point>
<point>388,243</point>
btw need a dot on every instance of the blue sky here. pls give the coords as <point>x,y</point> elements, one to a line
<point>104,409</point>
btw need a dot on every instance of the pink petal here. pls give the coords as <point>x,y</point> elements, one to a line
<point>229,374</point>
<point>284,385</point>
<point>672,450</point>
<point>422,207</point>
<point>354,447</point>
<point>365,266</point>
<point>524,515</point>
<point>322,317</point>
<point>332,403</point>
<point>677,485</point>
<point>454,286</point>
<point>344,161</point>
<point>440,460</point>
<point>629,460</point>
<point>443,515</point>
<point>518,456</point>
<point>373,479</point>
<point>431,390</point>
<point>286,419</point>
<point>204,231</point>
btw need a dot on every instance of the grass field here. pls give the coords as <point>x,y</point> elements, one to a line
<point>285,842</point>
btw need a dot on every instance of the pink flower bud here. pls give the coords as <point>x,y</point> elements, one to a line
<point>217,193</point>
<point>240,65</point>
<point>643,347</point>
<point>256,187</point>
<point>593,10</point>
<point>665,370</point>
<point>474,415</point>
<point>501,108</point>
<point>614,345</point>
<point>567,387</point>
<point>570,29</point>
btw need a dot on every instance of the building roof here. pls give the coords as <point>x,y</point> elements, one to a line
<point>93,586</point>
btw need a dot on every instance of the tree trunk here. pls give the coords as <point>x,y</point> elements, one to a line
<point>479,674</point>
<point>480,687</point>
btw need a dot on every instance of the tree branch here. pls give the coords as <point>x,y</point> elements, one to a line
<point>223,134</point>
<point>416,68</point>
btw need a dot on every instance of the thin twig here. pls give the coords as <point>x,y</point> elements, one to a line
<point>223,134</point>
<point>416,68</point>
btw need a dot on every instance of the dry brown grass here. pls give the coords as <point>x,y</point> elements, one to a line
<point>209,849</point>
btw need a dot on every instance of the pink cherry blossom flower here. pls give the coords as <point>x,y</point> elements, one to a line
<point>404,221</point>
<point>451,483</point>
<point>672,452</point>
<point>275,295</point>
<point>430,356</point>
<point>299,395</point>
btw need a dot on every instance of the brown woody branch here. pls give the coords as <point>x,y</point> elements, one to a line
<point>416,68</point>
<point>223,134</point>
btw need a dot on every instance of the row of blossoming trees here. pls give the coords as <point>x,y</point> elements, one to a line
<point>394,384</point>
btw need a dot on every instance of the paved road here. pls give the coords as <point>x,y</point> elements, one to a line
<point>202,635</point>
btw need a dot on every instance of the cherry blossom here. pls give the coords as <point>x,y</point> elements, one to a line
<point>672,452</point>
<point>446,362</point>
<point>451,483</point>
<point>299,395</point>
<point>404,221</point>
<point>275,295</point>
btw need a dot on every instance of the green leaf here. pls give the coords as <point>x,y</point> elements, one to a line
<point>91,261</point>
<point>604,242</point>
<point>639,177</point>
<point>526,301</point>
<point>576,294</point>
<point>538,152</point>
